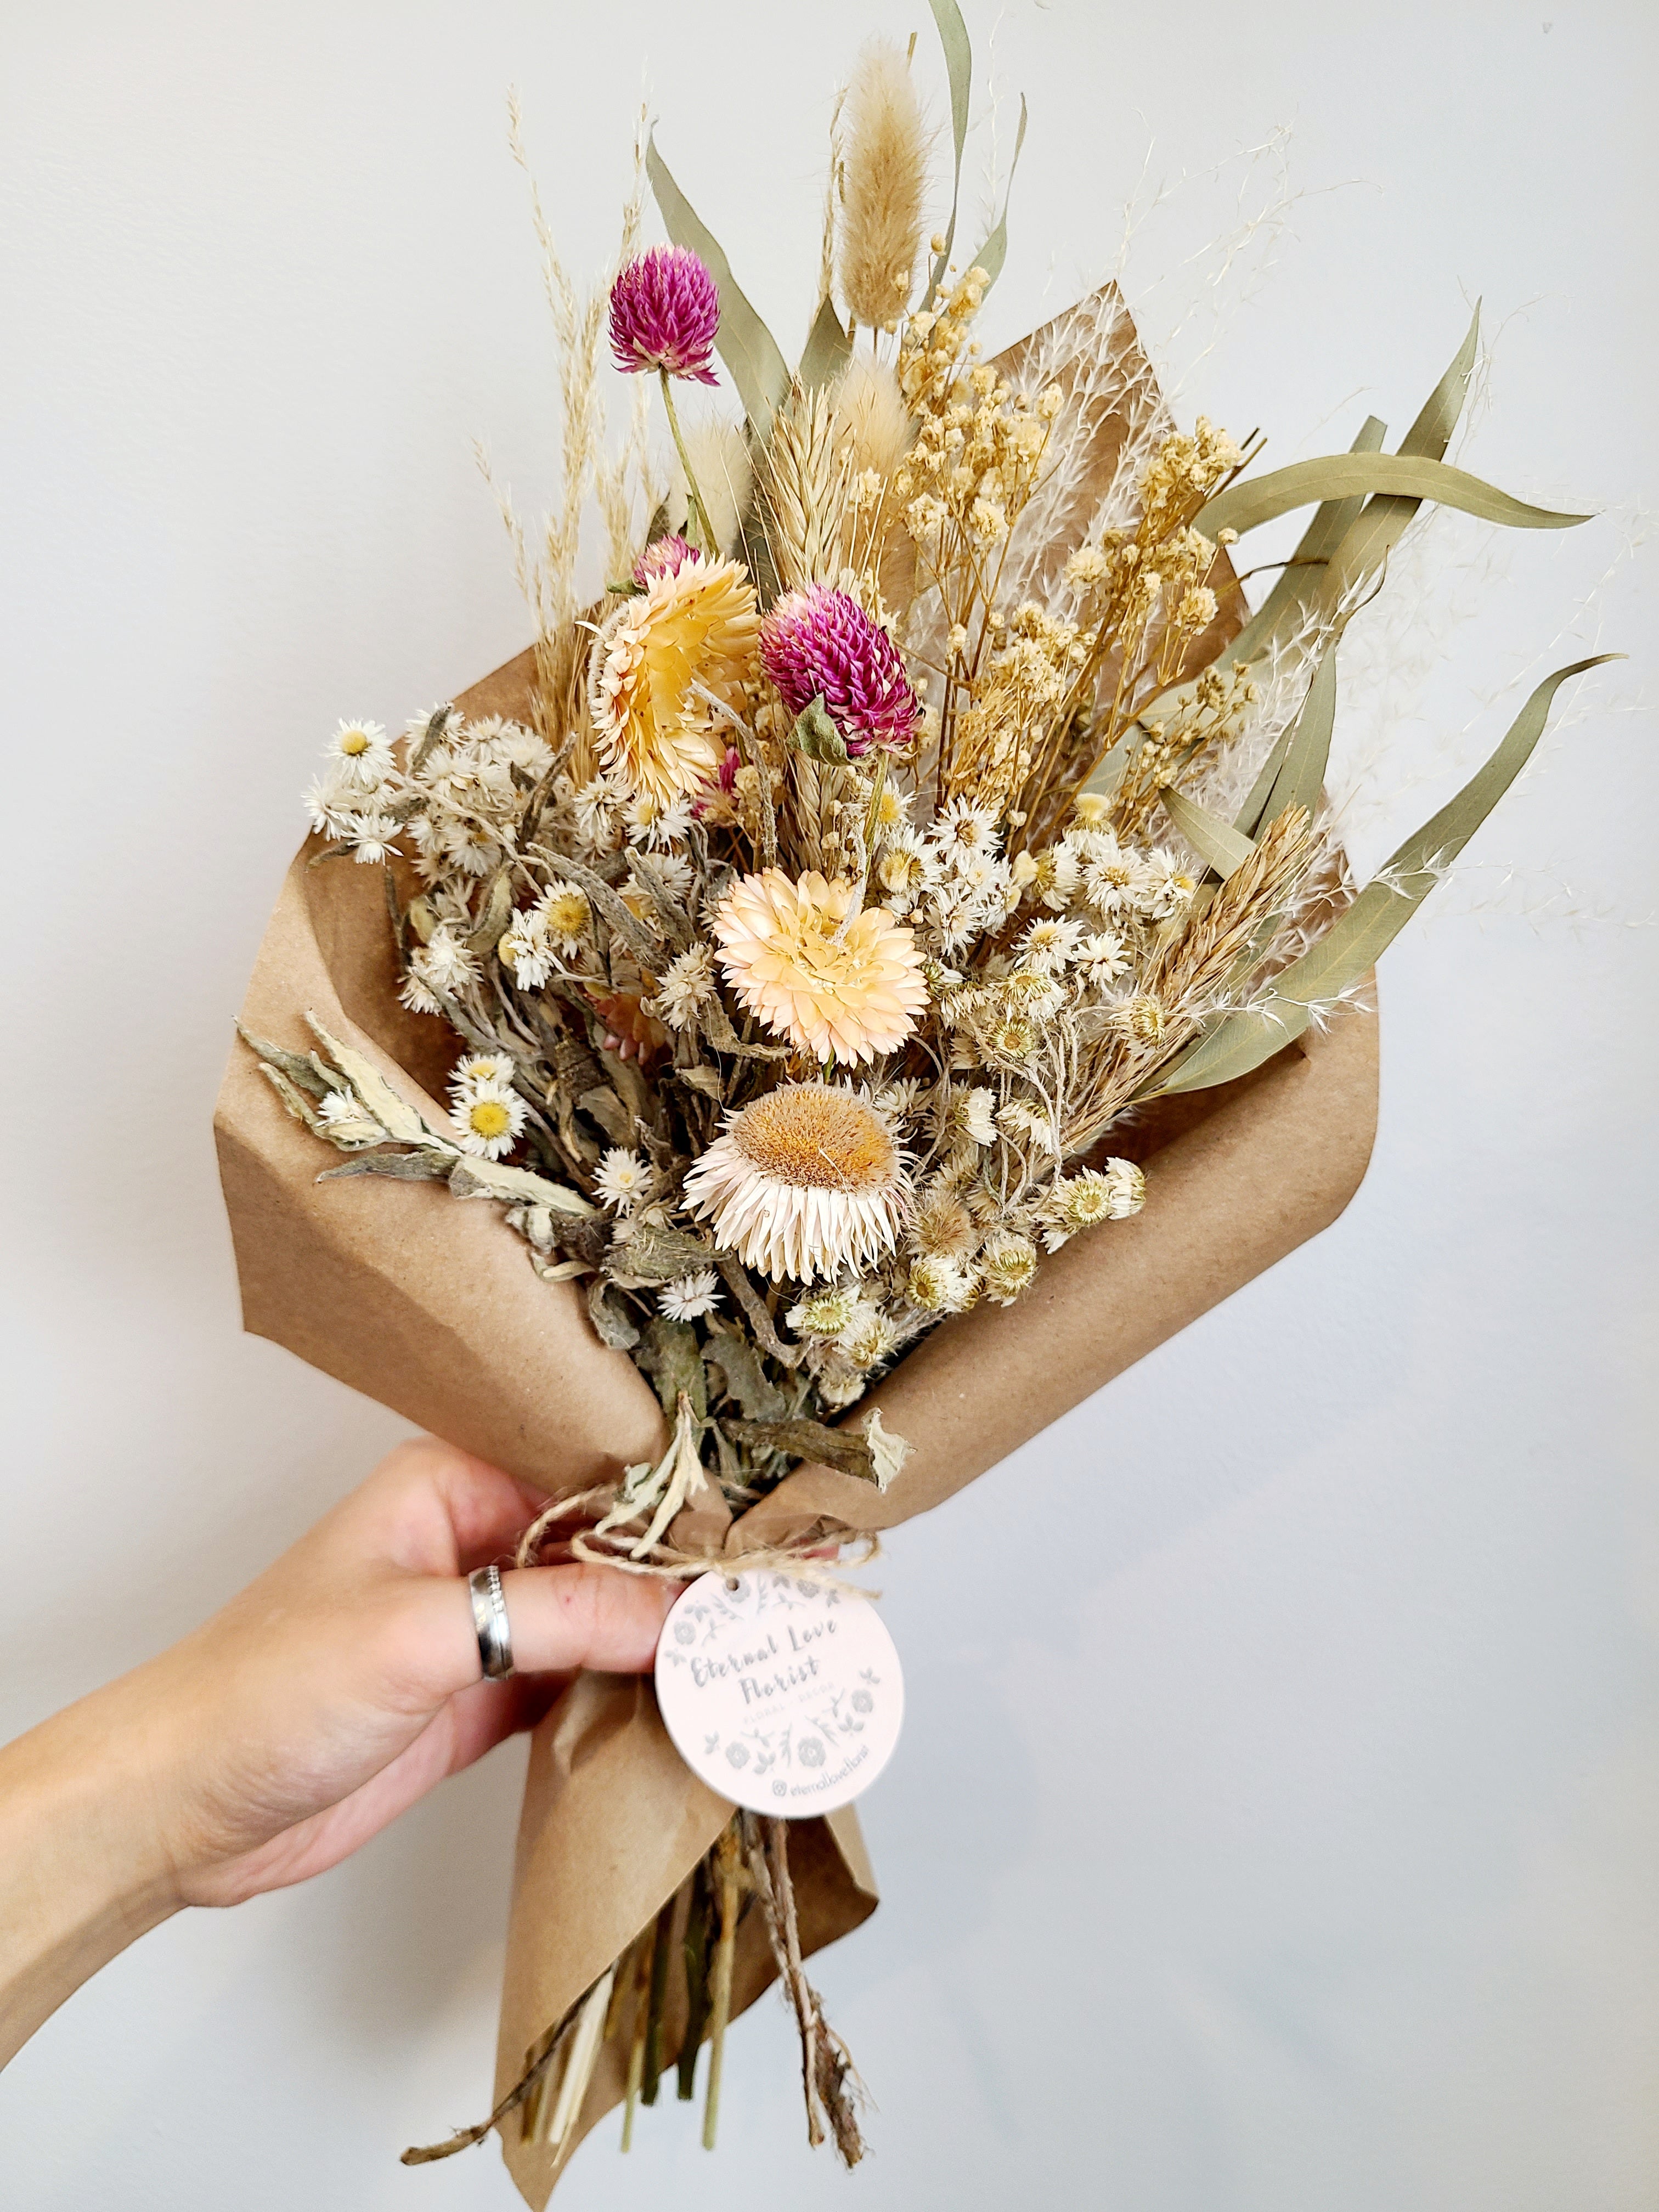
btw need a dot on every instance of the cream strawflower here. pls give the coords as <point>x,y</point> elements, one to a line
<point>692,630</point>
<point>849,989</point>
<point>804,1183</point>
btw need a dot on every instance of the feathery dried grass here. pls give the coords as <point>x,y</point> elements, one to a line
<point>1204,966</point>
<point>883,163</point>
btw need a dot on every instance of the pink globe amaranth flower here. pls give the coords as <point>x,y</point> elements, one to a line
<point>663,556</point>
<point>819,642</point>
<point>665,310</point>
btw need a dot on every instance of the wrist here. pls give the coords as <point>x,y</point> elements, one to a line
<point>84,1870</point>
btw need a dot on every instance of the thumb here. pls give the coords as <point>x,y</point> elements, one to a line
<point>560,1619</point>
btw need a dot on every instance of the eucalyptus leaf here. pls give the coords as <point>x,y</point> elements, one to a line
<point>1301,777</point>
<point>1366,545</point>
<point>994,251</point>
<point>742,341</point>
<point>1253,501</point>
<point>1215,841</point>
<point>1303,576</point>
<point>1241,1040</point>
<point>959,68</point>
<point>828,350</point>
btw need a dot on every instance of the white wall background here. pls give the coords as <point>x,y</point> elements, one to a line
<point>1275,1826</point>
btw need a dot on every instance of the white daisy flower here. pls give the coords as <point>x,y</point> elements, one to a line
<point>1103,957</point>
<point>478,1070</point>
<point>622,1179</point>
<point>343,1113</point>
<point>688,983</point>
<point>657,827</point>
<point>1049,943</point>
<point>486,1119</point>
<point>690,1296</point>
<point>962,827</point>
<point>361,754</point>
<point>1163,886</point>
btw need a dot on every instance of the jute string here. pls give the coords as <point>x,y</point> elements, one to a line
<point>615,1547</point>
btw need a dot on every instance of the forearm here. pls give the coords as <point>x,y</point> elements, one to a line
<point>81,1875</point>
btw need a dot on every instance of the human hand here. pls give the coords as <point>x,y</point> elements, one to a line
<point>294,1724</point>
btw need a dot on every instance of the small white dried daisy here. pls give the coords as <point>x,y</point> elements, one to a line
<point>656,826</point>
<point>1050,943</point>
<point>686,984</point>
<point>486,1119</point>
<point>361,753</point>
<point>622,1179</point>
<point>1103,957</point>
<point>690,1296</point>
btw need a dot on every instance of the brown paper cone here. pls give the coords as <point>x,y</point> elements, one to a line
<point>427,1305</point>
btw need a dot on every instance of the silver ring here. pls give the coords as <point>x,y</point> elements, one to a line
<point>490,1618</point>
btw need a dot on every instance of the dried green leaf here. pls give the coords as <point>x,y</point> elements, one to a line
<point>471,1177</point>
<point>394,1112</point>
<point>959,68</point>
<point>1216,842</point>
<point>828,348</point>
<point>1247,504</point>
<point>994,251</point>
<point>301,1068</point>
<point>1304,575</point>
<point>742,341</point>
<point>651,1253</point>
<point>807,1440</point>
<point>612,1323</point>
<point>746,1379</point>
<point>494,914</point>
<point>400,1167</point>
<point>601,1105</point>
<point>1301,777</point>
<point>1241,1040</point>
<point>672,1358</point>
<point>816,735</point>
<point>296,1104</point>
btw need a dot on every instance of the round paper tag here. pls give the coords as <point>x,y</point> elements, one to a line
<point>782,1694</point>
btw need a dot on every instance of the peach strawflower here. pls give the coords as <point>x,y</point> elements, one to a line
<point>843,989</point>
<point>804,1183</point>
<point>695,625</point>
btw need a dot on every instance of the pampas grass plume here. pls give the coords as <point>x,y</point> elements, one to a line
<point>884,175</point>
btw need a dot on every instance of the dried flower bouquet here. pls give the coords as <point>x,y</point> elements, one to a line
<point>800,959</point>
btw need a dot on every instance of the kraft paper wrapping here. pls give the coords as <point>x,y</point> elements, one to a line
<point>427,1305</point>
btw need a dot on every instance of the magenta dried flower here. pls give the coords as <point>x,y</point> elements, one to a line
<point>820,643</point>
<point>665,310</point>
<point>663,556</point>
